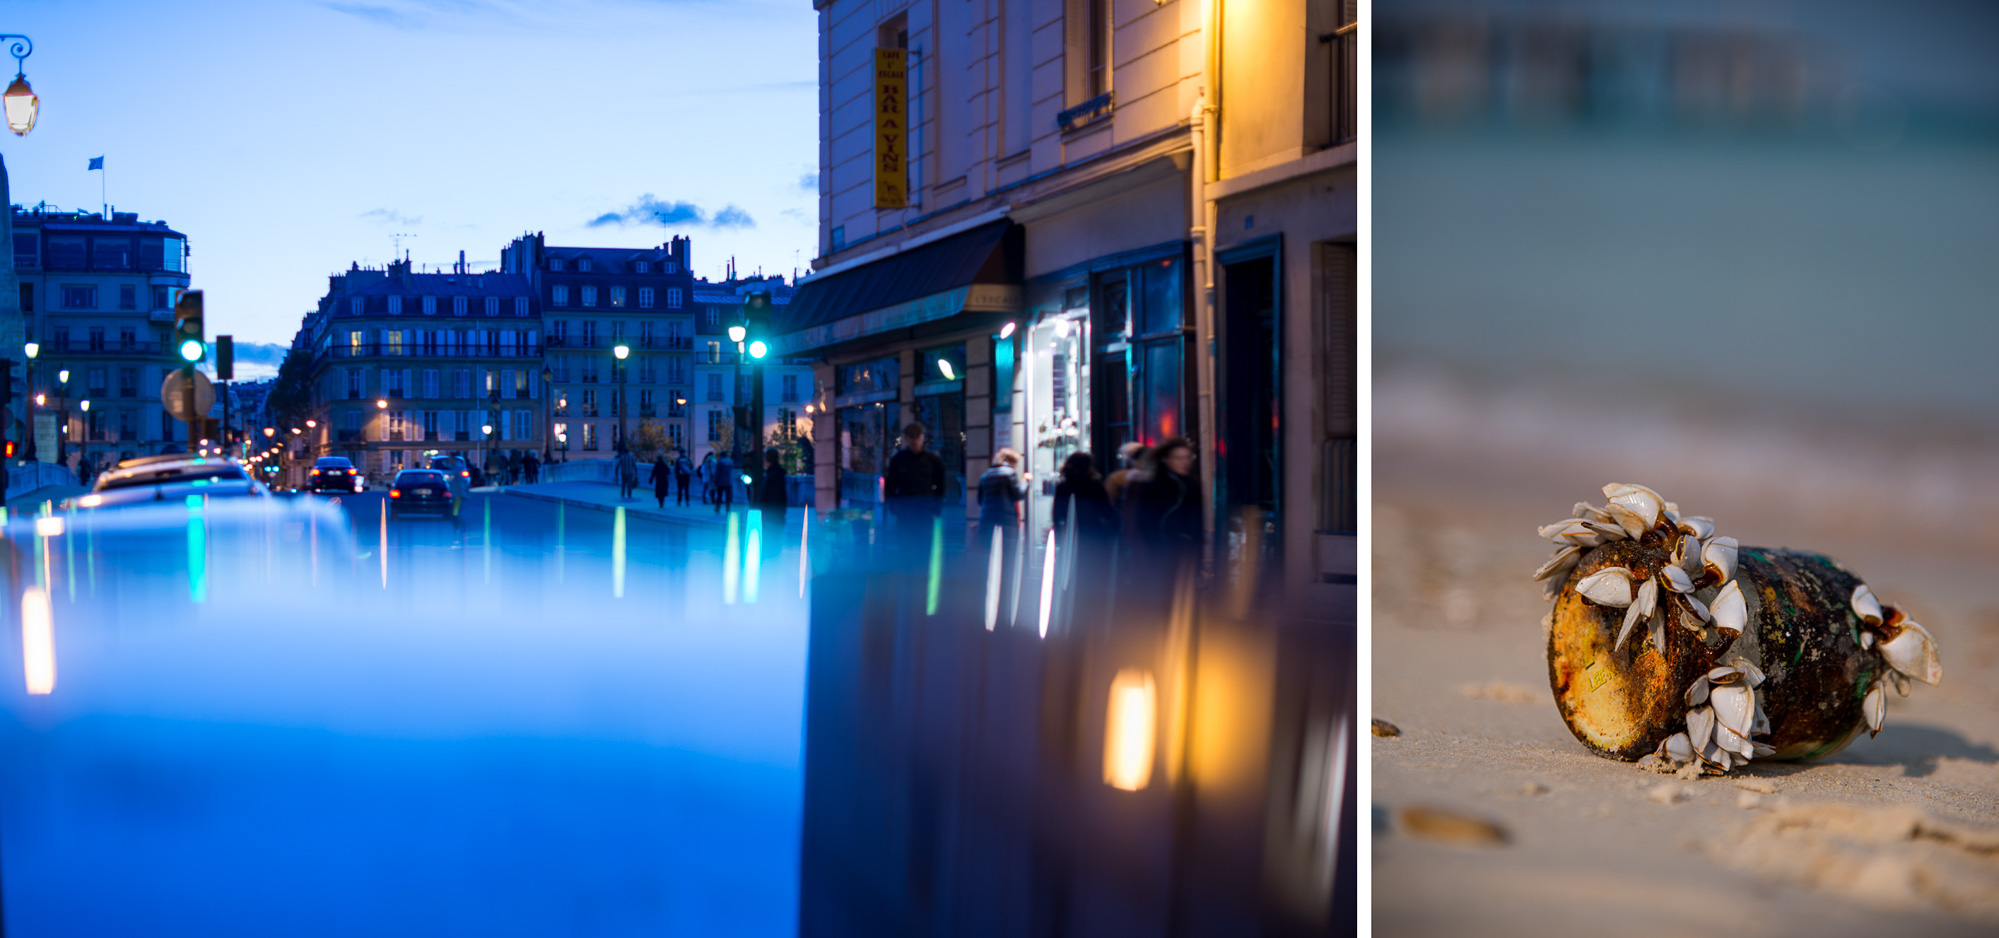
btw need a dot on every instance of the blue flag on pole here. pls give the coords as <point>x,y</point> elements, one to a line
<point>97,162</point>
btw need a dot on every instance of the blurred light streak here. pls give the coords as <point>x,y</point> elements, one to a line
<point>804,551</point>
<point>753,556</point>
<point>384,550</point>
<point>197,551</point>
<point>936,567</point>
<point>486,538</point>
<point>1047,582</point>
<point>995,562</point>
<point>561,524</point>
<point>731,564</point>
<point>618,554</point>
<point>1129,727</point>
<point>49,527</point>
<point>38,641</point>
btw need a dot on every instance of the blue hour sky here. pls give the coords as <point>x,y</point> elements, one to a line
<point>289,138</point>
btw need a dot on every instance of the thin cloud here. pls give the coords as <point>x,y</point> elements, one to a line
<point>389,216</point>
<point>809,182</point>
<point>651,210</point>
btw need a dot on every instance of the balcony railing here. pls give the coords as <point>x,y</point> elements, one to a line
<point>1343,45</point>
<point>386,350</point>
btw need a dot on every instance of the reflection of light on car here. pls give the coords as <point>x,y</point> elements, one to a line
<point>38,643</point>
<point>1128,730</point>
<point>994,563</point>
<point>90,501</point>
<point>51,526</point>
<point>1047,582</point>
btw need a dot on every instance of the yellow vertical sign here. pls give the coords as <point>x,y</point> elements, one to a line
<point>891,128</point>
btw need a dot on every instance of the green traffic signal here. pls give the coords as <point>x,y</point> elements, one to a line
<point>191,350</point>
<point>758,349</point>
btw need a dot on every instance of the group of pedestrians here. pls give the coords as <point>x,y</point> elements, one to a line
<point>676,478</point>
<point>512,467</point>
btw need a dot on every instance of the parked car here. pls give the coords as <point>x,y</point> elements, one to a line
<point>334,474</point>
<point>421,491</point>
<point>171,479</point>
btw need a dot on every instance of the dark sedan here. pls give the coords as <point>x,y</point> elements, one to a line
<point>334,474</point>
<point>420,491</point>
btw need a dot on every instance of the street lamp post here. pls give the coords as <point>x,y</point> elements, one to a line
<point>21,103</point>
<point>62,418</point>
<point>547,421</point>
<point>737,333</point>
<point>32,349</point>
<point>621,351</point>
<point>381,407</point>
<point>86,430</point>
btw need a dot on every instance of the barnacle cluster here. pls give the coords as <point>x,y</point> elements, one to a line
<point>1696,589</point>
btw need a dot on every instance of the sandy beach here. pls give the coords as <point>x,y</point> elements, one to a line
<point>1896,834</point>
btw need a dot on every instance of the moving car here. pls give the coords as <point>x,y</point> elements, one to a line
<point>171,479</point>
<point>455,470</point>
<point>334,474</point>
<point>421,491</point>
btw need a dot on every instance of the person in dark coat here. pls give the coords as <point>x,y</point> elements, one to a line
<point>531,467</point>
<point>722,481</point>
<point>913,488</point>
<point>1001,490</point>
<point>771,494</point>
<point>1163,511</point>
<point>1083,493</point>
<point>661,479</point>
<point>683,474</point>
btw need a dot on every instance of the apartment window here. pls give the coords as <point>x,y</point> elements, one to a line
<point>111,253</point>
<point>392,382</point>
<point>355,305</point>
<point>523,427</point>
<point>645,297</point>
<point>589,402</point>
<point>461,383</point>
<point>555,263</point>
<point>676,370</point>
<point>646,373</point>
<point>354,384</point>
<point>589,296</point>
<point>618,332</point>
<point>160,300</point>
<point>65,252</point>
<point>27,250</point>
<point>521,306</point>
<point>617,296</point>
<point>644,267</point>
<point>714,426</point>
<point>676,435</point>
<point>430,306</point>
<point>430,383</point>
<point>583,263</point>
<point>128,296</point>
<point>558,331</point>
<point>676,403</point>
<point>645,403</point>
<point>1099,52</point>
<point>671,267</point>
<point>590,436</point>
<point>128,425</point>
<point>61,339</point>
<point>714,352</point>
<point>672,297</point>
<point>558,295</point>
<point>392,342</point>
<point>395,306</point>
<point>128,382</point>
<point>645,334</point>
<point>714,387</point>
<point>27,297</point>
<point>790,387</point>
<point>590,333</point>
<point>75,296</point>
<point>97,338</point>
<point>96,382</point>
<point>128,338</point>
<point>713,318</point>
<point>492,305</point>
<point>590,371</point>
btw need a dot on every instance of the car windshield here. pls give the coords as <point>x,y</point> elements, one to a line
<point>171,474</point>
<point>333,463</point>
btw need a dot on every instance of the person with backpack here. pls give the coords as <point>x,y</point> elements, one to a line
<point>683,473</point>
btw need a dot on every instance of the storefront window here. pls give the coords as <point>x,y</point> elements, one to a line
<point>943,420</point>
<point>874,375</point>
<point>1161,310</point>
<point>945,364</point>
<point>867,435</point>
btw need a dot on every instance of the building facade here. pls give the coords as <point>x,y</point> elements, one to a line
<point>96,295</point>
<point>596,299</point>
<point>407,363</point>
<point>721,387</point>
<point>1064,276</point>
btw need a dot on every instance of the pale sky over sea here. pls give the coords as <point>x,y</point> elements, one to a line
<point>288,138</point>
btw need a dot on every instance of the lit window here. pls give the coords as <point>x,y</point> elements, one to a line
<point>617,296</point>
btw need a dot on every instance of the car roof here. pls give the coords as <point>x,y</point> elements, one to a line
<point>332,460</point>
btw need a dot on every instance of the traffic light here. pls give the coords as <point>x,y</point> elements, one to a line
<point>756,323</point>
<point>187,328</point>
<point>225,358</point>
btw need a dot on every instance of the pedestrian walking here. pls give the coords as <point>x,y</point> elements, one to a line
<point>683,473</point>
<point>1081,494</point>
<point>771,495</point>
<point>627,471</point>
<point>533,467</point>
<point>1163,513</point>
<point>1001,490</point>
<point>1129,457</point>
<point>706,474</point>
<point>722,480</point>
<point>913,489</point>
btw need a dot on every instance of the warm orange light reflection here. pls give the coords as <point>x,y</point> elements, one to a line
<point>38,642</point>
<point>1129,727</point>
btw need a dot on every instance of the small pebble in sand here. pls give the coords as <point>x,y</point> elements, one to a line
<point>1748,801</point>
<point>1450,827</point>
<point>1385,728</point>
<point>1761,786</point>
<point>1666,793</point>
<point>1534,788</point>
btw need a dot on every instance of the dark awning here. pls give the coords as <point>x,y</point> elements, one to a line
<point>977,270</point>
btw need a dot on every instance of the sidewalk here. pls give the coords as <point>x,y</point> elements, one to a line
<point>602,496</point>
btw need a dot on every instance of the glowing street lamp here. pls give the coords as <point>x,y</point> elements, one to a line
<point>737,333</point>
<point>33,349</point>
<point>381,404</point>
<point>270,431</point>
<point>620,351</point>
<point>21,103</point>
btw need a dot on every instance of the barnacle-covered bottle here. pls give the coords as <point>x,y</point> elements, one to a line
<point>1740,653</point>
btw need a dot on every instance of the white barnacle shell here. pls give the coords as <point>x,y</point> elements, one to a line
<point>1731,612</point>
<point>1698,608</point>
<point>1642,503</point>
<point>1900,680</point>
<point>1647,598</point>
<point>1700,726</point>
<point>1728,739</point>
<point>1677,579</point>
<point>1630,522</point>
<point>1718,554</point>
<point>1749,671</point>
<point>1697,691</point>
<point>1761,725</point>
<point>1914,653</point>
<point>1678,748</point>
<point>1700,526</point>
<point>1559,564</point>
<point>1656,622</point>
<point>1865,605</point>
<point>1734,708</point>
<point>1570,531</point>
<point>1867,639</point>
<point>1610,586</point>
<point>1589,512</point>
<point>1632,616</point>
<point>1875,708</point>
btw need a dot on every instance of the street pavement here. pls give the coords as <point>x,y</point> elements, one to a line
<point>530,719</point>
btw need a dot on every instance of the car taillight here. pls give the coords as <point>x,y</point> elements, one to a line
<point>315,472</point>
<point>395,493</point>
<point>467,473</point>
